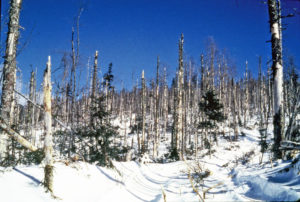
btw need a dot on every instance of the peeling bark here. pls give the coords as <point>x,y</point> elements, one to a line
<point>9,70</point>
<point>48,148</point>
<point>277,68</point>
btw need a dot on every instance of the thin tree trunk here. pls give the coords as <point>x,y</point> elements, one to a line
<point>260,89</point>
<point>246,101</point>
<point>165,103</point>
<point>234,110</point>
<point>94,89</point>
<point>31,112</point>
<point>143,111</point>
<point>155,151</point>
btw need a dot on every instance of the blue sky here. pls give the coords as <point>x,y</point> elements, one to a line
<point>131,33</point>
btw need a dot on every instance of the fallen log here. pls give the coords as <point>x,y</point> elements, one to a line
<point>289,145</point>
<point>13,134</point>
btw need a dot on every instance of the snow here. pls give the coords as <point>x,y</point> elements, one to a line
<point>235,175</point>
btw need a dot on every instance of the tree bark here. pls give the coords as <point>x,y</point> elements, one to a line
<point>246,103</point>
<point>277,68</point>
<point>4,126</point>
<point>165,103</point>
<point>48,149</point>
<point>260,96</point>
<point>9,71</point>
<point>143,111</point>
<point>31,108</point>
<point>155,151</point>
<point>94,88</point>
<point>179,125</point>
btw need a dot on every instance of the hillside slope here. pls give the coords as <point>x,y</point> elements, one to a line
<point>235,175</point>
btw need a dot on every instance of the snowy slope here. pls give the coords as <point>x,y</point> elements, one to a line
<point>239,178</point>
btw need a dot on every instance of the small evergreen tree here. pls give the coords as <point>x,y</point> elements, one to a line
<point>103,132</point>
<point>101,148</point>
<point>212,109</point>
<point>108,78</point>
<point>96,139</point>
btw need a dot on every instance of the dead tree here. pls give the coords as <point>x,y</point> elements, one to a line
<point>260,94</point>
<point>156,128</point>
<point>143,111</point>
<point>246,101</point>
<point>48,148</point>
<point>16,136</point>
<point>31,107</point>
<point>94,88</point>
<point>278,119</point>
<point>165,103</point>
<point>9,71</point>
<point>234,109</point>
<point>178,119</point>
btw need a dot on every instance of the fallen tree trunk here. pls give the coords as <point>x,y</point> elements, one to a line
<point>13,134</point>
<point>289,145</point>
<point>43,109</point>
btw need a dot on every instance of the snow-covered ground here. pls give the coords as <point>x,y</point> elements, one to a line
<point>235,175</point>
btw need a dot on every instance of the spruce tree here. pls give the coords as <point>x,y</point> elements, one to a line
<point>108,78</point>
<point>212,109</point>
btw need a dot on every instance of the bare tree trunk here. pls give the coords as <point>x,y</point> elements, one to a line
<point>212,71</point>
<point>246,103</point>
<point>9,71</point>
<point>202,82</point>
<point>48,128</point>
<point>4,126</point>
<point>189,122</point>
<point>156,142</point>
<point>260,96</point>
<point>196,115</point>
<point>94,88</point>
<point>143,111</point>
<point>31,108</point>
<point>270,94</point>
<point>179,135</point>
<point>277,67</point>
<point>234,109</point>
<point>175,115</point>
<point>73,90</point>
<point>165,103</point>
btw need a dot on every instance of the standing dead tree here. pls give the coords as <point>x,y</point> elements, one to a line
<point>156,128</point>
<point>178,102</point>
<point>246,101</point>
<point>31,108</point>
<point>9,71</point>
<point>180,96</point>
<point>277,68</point>
<point>94,88</point>
<point>143,111</point>
<point>48,149</point>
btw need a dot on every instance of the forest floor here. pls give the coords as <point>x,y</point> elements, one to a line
<point>235,174</point>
